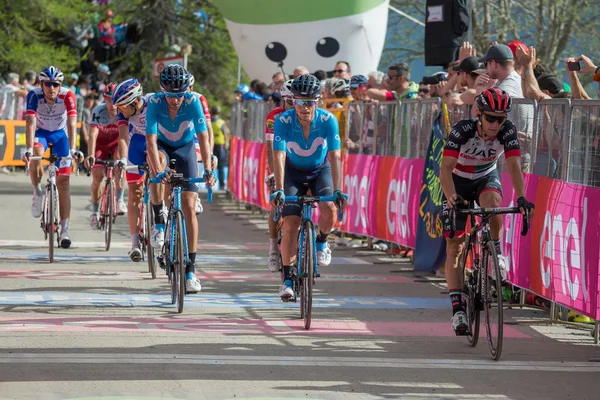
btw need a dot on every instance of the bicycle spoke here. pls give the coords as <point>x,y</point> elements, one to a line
<point>492,299</point>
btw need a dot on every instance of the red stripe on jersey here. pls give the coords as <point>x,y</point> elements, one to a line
<point>466,168</point>
<point>121,123</point>
<point>451,153</point>
<point>72,113</point>
<point>31,113</point>
<point>512,153</point>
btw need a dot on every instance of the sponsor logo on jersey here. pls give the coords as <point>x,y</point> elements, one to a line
<point>270,124</point>
<point>285,119</point>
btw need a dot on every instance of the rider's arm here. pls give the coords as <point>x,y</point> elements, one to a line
<point>512,154</point>
<point>203,138</point>
<point>92,143</point>
<point>334,154</point>
<point>211,135</point>
<point>123,138</point>
<point>152,113</point>
<point>71,106</point>
<point>31,122</point>
<point>450,159</point>
<point>279,151</point>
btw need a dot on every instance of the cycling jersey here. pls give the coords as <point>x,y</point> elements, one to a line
<point>137,122</point>
<point>205,106</point>
<point>476,156</point>
<point>189,121</point>
<point>107,140</point>
<point>51,118</point>
<point>308,154</point>
<point>270,125</point>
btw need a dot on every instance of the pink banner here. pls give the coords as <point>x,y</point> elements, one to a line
<point>359,184</point>
<point>252,172</point>
<point>559,257</point>
<point>238,168</point>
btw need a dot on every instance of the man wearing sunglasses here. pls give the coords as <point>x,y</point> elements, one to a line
<point>132,105</point>
<point>306,156</point>
<point>51,113</point>
<point>174,116</point>
<point>287,102</point>
<point>469,173</point>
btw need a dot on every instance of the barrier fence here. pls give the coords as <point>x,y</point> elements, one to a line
<point>383,169</point>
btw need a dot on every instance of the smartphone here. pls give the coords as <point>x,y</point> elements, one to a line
<point>574,65</point>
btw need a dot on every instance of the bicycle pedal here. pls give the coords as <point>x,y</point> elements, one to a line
<point>462,332</point>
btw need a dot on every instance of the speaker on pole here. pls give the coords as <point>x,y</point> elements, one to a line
<point>447,26</point>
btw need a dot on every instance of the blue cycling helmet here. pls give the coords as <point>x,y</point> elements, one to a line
<point>174,79</point>
<point>357,81</point>
<point>51,74</point>
<point>127,92</point>
<point>242,88</point>
<point>307,85</point>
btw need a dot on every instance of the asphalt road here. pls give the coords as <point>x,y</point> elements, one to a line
<point>95,325</point>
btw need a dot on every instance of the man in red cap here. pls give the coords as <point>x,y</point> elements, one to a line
<point>513,47</point>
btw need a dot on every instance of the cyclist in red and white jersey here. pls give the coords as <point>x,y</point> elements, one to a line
<point>104,139</point>
<point>287,103</point>
<point>211,137</point>
<point>51,113</point>
<point>469,173</point>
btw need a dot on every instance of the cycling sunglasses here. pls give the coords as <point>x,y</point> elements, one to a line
<point>53,84</point>
<point>493,118</point>
<point>307,103</point>
<point>174,95</point>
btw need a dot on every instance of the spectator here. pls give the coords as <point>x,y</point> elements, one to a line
<point>107,42</point>
<point>424,90</point>
<point>252,94</point>
<point>84,85</point>
<point>102,74</point>
<point>588,67</point>
<point>513,48</point>
<point>29,82</point>
<point>71,83</point>
<point>551,86</point>
<point>241,90</point>
<point>300,70</point>
<point>375,80</point>
<point>221,135</point>
<point>86,116</point>
<point>13,108</point>
<point>398,85</point>
<point>278,80</point>
<point>340,91</point>
<point>320,74</point>
<point>342,70</point>
<point>79,34</point>
<point>358,87</point>
<point>468,71</point>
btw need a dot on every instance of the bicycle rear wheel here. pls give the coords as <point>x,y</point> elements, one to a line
<point>108,214</point>
<point>492,299</point>
<point>308,268</point>
<point>148,218</point>
<point>49,221</point>
<point>469,295</point>
<point>179,260</point>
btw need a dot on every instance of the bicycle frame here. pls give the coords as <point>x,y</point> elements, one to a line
<point>170,224</point>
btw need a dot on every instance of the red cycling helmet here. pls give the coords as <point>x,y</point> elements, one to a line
<point>494,100</point>
<point>109,90</point>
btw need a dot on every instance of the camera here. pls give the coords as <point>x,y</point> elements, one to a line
<point>435,78</point>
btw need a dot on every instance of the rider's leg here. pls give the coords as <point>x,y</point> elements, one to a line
<point>63,177</point>
<point>157,192</point>
<point>133,209</point>
<point>118,174</point>
<point>289,243</point>
<point>322,185</point>
<point>96,187</point>
<point>188,205</point>
<point>36,172</point>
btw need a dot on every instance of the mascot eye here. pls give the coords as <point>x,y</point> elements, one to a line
<point>276,52</point>
<point>328,47</point>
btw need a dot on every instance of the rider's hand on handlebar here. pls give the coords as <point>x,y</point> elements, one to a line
<point>122,162</point>
<point>89,162</point>
<point>209,178</point>
<point>77,155</point>
<point>277,198</point>
<point>27,155</point>
<point>455,199</point>
<point>523,205</point>
<point>340,198</point>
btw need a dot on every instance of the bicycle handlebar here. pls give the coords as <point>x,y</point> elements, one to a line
<point>309,199</point>
<point>487,212</point>
<point>178,179</point>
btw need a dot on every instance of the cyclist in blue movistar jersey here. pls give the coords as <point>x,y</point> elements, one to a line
<point>131,118</point>
<point>173,118</point>
<point>307,156</point>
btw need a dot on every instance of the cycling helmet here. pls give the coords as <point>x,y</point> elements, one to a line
<point>174,79</point>
<point>192,80</point>
<point>51,74</point>
<point>127,92</point>
<point>242,88</point>
<point>307,85</point>
<point>286,89</point>
<point>340,88</point>
<point>494,100</point>
<point>357,81</point>
<point>109,90</point>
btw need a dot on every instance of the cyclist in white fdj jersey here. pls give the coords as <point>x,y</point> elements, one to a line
<point>132,106</point>
<point>307,156</point>
<point>174,117</point>
<point>51,113</point>
<point>469,173</point>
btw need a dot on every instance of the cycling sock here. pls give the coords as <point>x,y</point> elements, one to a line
<point>38,189</point>
<point>135,240</point>
<point>273,244</point>
<point>95,207</point>
<point>120,193</point>
<point>286,272</point>
<point>497,245</point>
<point>64,225</point>
<point>322,237</point>
<point>456,299</point>
<point>191,266</point>
<point>158,216</point>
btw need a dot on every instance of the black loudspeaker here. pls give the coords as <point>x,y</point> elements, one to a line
<point>447,26</point>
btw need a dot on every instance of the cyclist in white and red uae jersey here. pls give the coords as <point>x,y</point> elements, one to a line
<point>469,173</point>
<point>104,141</point>
<point>51,113</point>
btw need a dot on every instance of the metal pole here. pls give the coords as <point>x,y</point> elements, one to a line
<point>185,60</point>
<point>239,75</point>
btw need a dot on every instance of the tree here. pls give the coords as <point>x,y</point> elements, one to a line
<point>33,33</point>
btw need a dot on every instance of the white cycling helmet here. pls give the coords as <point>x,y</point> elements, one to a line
<point>286,89</point>
<point>340,87</point>
<point>51,74</point>
<point>127,92</point>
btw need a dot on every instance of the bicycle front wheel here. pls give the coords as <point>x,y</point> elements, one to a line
<point>108,220</point>
<point>49,221</point>
<point>492,299</point>
<point>148,218</point>
<point>308,268</point>
<point>469,296</point>
<point>179,260</point>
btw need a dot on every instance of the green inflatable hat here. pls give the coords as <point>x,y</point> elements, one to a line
<point>271,12</point>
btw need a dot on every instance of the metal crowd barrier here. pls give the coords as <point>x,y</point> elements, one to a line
<point>12,107</point>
